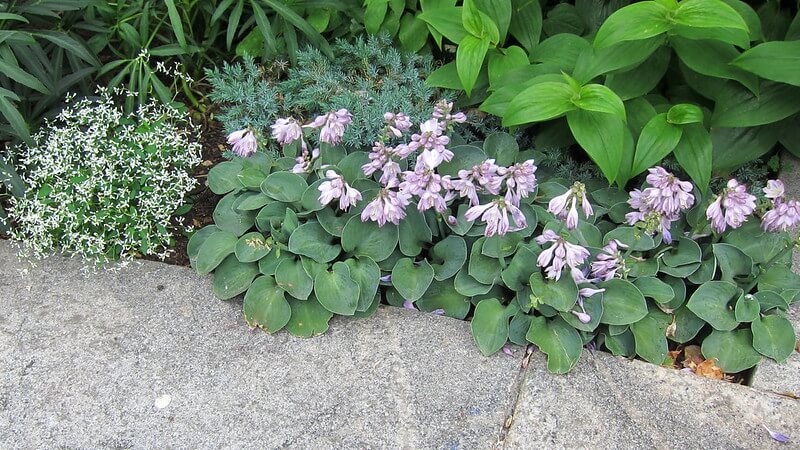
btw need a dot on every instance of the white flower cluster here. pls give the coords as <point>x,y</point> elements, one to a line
<point>103,184</point>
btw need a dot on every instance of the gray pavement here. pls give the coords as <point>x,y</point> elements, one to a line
<point>146,357</point>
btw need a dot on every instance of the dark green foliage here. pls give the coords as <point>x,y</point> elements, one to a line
<point>368,77</point>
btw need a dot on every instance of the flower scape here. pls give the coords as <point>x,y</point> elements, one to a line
<point>475,230</point>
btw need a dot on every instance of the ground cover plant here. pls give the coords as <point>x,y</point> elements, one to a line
<point>104,184</point>
<point>363,76</point>
<point>476,230</point>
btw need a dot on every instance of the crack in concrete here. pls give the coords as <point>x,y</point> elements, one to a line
<point>516,398</point>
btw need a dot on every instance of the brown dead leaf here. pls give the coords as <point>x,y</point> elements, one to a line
<point>709,369</point>
<point>692,355</point>
<point>207,163</point>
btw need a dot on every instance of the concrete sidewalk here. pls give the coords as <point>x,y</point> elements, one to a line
<point>90,362</point>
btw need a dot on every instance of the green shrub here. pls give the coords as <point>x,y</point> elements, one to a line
<point>104,184</point>
<point>364,77</point>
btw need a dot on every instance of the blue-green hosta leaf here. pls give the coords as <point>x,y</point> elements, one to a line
<point>561,294</point>
<point>308,319</point>
<point>710,302</point>
<point>265,305</point>
<point>774,337</point>
<point>251,247</point>
<point>687,325</point>
<point>216,247</point>
<point>284,186</point>
<point>443,295</point>
<point>733,349</point>
<point>747,308</point>
<point>228,219</point>
<point>558,340</point>
<point>732,261</point>
<point>366,273</point>
<point>414,232</point>
<point>650,336</point>
<point>232,277</point>
<point>481,267</point>
<point>368,239</point>
<point>687,251</point>
<point>623,303</point>
<point>291,276</point>
<point>654,288</point>
<point>411,279</point>
<point>310,239</point>
<point>448,257</point>
<point>336,291</point>
<point>490,325</point>
<point>197,240</point>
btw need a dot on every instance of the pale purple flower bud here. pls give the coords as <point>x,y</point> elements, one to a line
<point>452,220</point>
<point>565,206</point>
<point>774,189</point>
<point>438,312</point>
<point>332,125</point>
<point>495,214</point>
<point>243,142</point>
<point>784,216</point>
<point>588,292</point>
<point>305,160</point>
<point>388,206</point>
<point>582,316</point>
<point>779,437</point>
<point>731,207</point>
<point>507,350</point>
<point>520,179</point>
<point>668,194</point>
<point>387,278</point>
<point>390,171</point>
<point>609,261</point>
<point>558,255</point>
<point>408,304</point>
<point>286,131</point>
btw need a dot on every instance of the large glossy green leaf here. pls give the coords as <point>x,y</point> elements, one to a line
<point>502,61</point>
<point>694,153</point>
<point>558,340</point>
<point>446,20</point>
<point>740,108</point>
<point>448,257</point>
<point>634,22</point>
<point>413,33</point>
<point>733,350</point>
<point>284,186</point>
<point>711,19</point>
<point>500,12</point>
<point>366,273</point>
<point>336,291</point>
<point>774,337</point>
<point>490,325</point>
<point>776,61</point>
<point>469,60</point>
<point>526,22</point>
<point>601,136</point>
<point>618,57</point>
<point>265,305</point>
<point>542,101</point>
<point>561,51</point>
<point>732,147</point>
<point>598,98</point>
<point>713,58</point>
<point>641,79</point>
<point>443,295</point>
<point>657,140</point>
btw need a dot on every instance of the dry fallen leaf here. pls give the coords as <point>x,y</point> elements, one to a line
<point>709,369</point>
<point>207,163</point>
<point>692,355</point>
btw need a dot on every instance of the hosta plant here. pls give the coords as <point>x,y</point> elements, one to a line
<point>477,230</point>
<point>104,184</point>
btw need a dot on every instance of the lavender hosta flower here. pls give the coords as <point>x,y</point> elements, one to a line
<point>779,437</point>
<point>335,188</point>
<point>668,194</point>
<point>387,206</point>
<point>305,160</point>
<point>286,131</point>
<point>507,350</point>
<point>408,304</point>
<point>243,142</point>
<point>438,312</point>
<point>565,206</point>
<point>432,142</point>
<point>784,216</point>
<point>774,190</point>
<point>609,261</point>
<point>582,316</point>
<point>559,255</point>
<point>731,207</point>
<point>378,157</point>
<point>443,109</point>
<point>495,214</point>
<point>485,175</point>
<point>521,181</point>
<point>332,125</point>
<point>428,186</point>
<point>397,123</point>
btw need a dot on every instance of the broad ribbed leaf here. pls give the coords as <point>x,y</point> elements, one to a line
<point>634,22</point>
<point>776,61</point>
<point>469,60</point>
<point>540,102</point>
<point>601,136</point>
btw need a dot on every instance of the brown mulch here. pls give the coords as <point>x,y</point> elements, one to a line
<point>203,200</point>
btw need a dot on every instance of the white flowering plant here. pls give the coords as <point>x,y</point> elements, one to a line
<point>104,184</point>
<point>477,230</point>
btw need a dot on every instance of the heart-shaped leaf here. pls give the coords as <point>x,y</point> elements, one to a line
<point>448,256</point>
<point>710,302</point>
<point>774,337</point>
<point>265,305</point>
<point>309,318</point>
<point>366,273</point>
<point>733,349</point>
<point>232,277</point>
<point>336,291</point>
<point>558,340</point>
<point>310,239</point>
<point>291,276</point>
<point>411,279</point>
<point>623,303</point>
<point>368,239</point>
<point>490,325</point>
<point>561,294</point>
